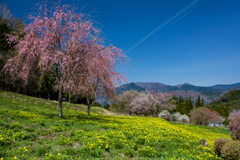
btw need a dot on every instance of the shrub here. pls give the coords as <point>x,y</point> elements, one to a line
<point>225,122</point>
<point>176,116</point>
<point>122,102</point>
<point>144,104</point>
<point>96,104</point>
<point>165,115</point>
<point>231,150</point>
<point>204,116</point>
<point>183,119</point>
<point>107,106</point>
<point>218,144</point>
<point>235,128</point>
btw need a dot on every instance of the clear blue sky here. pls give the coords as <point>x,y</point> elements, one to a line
<point>201,48</point>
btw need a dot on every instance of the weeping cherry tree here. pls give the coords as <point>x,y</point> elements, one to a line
<point>65,45</point>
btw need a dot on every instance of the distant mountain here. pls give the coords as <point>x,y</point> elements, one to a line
<point>226,86</point>
<point>129,86</point>
<point>185,90</point>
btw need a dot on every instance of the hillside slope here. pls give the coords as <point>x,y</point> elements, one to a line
<point>229,101</point>
<point>30,128</point>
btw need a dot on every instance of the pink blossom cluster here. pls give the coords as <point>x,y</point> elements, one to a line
<point>235,128</point>
<point>144,104</point>
<point>203,116</point>
<point>64,44</point>
<point>233,114</point>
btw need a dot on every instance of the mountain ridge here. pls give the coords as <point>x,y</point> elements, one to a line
<point>208,93</point>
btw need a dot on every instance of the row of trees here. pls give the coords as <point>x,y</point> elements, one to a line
<point>151,103</point>
<point>147,104</point>
<point>184,106</point>
<point>164,106</point>
<point>61,49</point>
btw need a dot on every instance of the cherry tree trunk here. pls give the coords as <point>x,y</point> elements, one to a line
<point>88,110</point>
<point>69,97</point>
<point>60,99</point>
<point>89,107</point>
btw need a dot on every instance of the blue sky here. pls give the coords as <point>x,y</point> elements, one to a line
<point>201,48</point>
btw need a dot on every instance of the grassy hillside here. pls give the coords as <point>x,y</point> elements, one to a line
<point>30,129</point>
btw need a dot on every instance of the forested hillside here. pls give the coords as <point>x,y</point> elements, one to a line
<point>226,103</point>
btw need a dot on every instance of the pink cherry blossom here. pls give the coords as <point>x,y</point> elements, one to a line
<point>62,43</point>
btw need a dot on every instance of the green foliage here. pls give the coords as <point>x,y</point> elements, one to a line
<point>5,28</point>
<point>183,106</point>
<point>107,106</point>
<point>225,122</point>
<point>73,99</point>
<point>5,138</point>
<point>45,84</point>
<point>226,103</point>
<point>62,140</point>
<point>19,135</point>
<point>231,150</point>
<point>57,128</point>
<point>199,102</point>
<point>16,125</point>
<point>96,104</point>
<point>230,96</point>
<point>147,151</point>
<point>223,109</point>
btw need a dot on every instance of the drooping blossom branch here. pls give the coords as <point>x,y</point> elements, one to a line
<point>62,43</point>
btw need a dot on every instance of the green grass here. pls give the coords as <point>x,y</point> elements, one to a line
<point>31,129</point>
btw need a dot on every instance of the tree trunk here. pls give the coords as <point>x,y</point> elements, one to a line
<point>60,99</point>
<point>48,96</point>
<point>69,97</point>
<point>88,110</point>
<point>89,107</point>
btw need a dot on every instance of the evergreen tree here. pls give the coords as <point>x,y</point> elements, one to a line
<point>202,102</point>
<point>189,104</point>
<point>174,98</point>
<point>184,106</point>
<point>180,100</point>
<point>198,102</point>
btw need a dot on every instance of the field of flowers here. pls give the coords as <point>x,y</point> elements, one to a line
<point>30,129</point>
